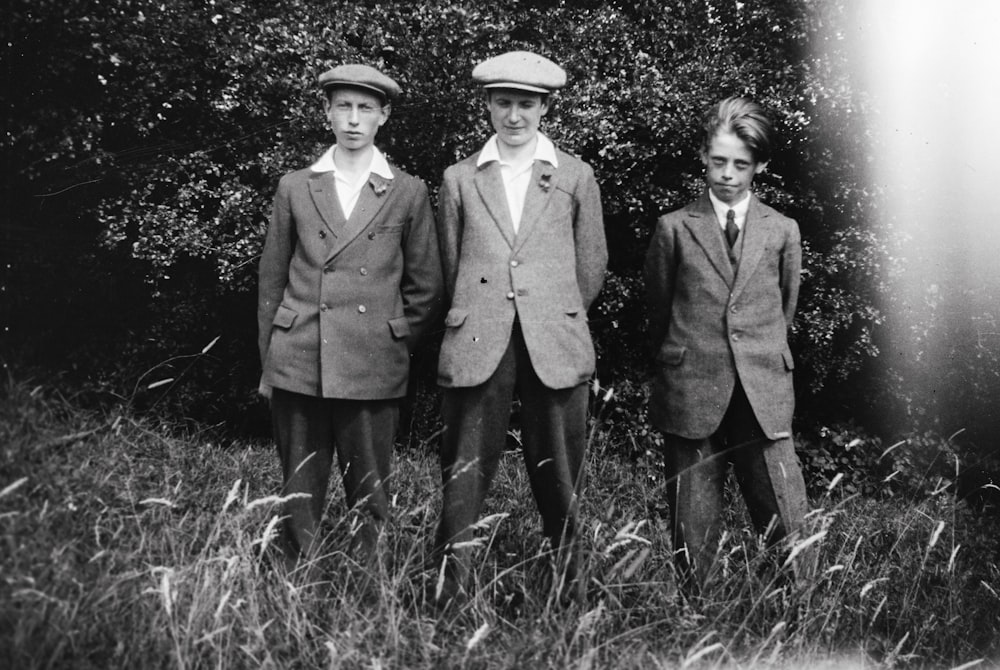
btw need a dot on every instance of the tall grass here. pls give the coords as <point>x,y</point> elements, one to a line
<point>128,543</point>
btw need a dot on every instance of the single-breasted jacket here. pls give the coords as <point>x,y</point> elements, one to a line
<point>712,322</point>
<point>343,302</point>
<point>547,274</point>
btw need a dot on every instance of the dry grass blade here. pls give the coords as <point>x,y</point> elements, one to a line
<point>13,486</point>
<point>691,659</point>
<point>802,546</point>
<point>477,637</point>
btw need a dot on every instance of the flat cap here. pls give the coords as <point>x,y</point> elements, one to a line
<point>360,76</point>
<point>521,70</point>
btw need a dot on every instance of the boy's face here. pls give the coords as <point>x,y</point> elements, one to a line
<point>355,117</point>
<point>515,115</point>
<point>729,167</point>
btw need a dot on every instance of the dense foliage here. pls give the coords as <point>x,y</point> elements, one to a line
<point>145,139</point>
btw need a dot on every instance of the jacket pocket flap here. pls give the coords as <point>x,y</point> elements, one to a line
<point>400,327</point>
<point>455,318</point>
<point>671,354</point>
<point>284,317</point>
<point>789,361</point>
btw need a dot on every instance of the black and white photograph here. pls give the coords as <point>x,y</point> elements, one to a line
<point>530,334</point>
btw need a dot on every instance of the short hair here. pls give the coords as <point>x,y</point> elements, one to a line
<point>328,92</point>
<point>745,119</point>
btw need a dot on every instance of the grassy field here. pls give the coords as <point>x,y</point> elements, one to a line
<point>131,543</point>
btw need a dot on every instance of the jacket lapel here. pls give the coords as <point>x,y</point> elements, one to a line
<point>705,229</point>
<point>373,197</point>
<point>535,200</point>
<point>324,195</point>
<point>489,183</point>
<point>754,236</point>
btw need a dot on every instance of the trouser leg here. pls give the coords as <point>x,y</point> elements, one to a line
<point>304,436</point>
<point>475,420</point>
<point>553,431</point>
<point>696,475</point>
<point>554,438</point>
<point>770,479</point>
<point>364,431</point>
<point>768,472</point>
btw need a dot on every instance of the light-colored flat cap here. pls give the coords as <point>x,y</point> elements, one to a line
<point>360,76</point>
<point>521,70</point>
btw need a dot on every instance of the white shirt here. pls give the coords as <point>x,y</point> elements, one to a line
<point>722,208</point>
<point>517,177</point>
<point>348,192</point>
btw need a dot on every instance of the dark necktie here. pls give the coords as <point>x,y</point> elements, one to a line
<point>732,230</point>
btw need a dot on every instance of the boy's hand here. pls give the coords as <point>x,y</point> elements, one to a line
<point>264,390</point>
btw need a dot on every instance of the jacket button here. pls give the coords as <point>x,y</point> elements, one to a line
<point>371,235</point>
<point>364,272</point>
<point>733,308</point>
<point>736,337</point>
<point>362,309</point>
<point>323,307</point>
<point>322,234</point>
<point>513,264</point>
<point>510,295</point>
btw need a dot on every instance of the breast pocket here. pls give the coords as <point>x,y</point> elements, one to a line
<point>390,228</point>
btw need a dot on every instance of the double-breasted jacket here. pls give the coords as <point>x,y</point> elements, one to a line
<point>342,302</point>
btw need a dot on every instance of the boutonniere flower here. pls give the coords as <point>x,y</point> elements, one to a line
<point>545,182</point>
<point>379,187</point>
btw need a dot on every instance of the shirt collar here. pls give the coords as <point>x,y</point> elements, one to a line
<point>545,150</point>
<point>722,208</point>
<point>379,165</point>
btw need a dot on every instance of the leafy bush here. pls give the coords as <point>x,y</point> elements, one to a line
<point>846,459</point>
<point>181,117</point>
<point>841,456</point>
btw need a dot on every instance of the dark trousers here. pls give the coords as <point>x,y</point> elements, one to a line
<point>553,435</point>
<point>307,431</point>
<point>769,477</point>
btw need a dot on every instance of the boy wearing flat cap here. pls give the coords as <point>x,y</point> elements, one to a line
<point>522,244</point>
<point>350,278</point>
<point>722,276</point>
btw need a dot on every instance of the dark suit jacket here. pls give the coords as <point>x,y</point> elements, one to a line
<point>711,323</point>
<point>343,303</point>
<point>547,275</point>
